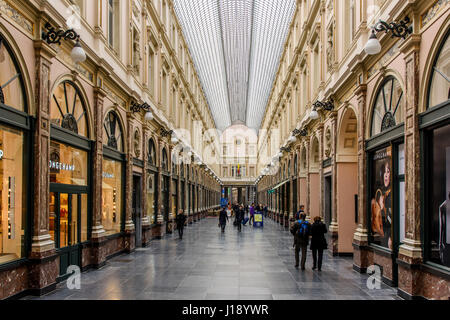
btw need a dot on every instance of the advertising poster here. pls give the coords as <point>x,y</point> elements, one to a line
<point>381,198</point>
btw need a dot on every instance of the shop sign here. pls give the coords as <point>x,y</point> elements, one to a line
<point>61,166</point>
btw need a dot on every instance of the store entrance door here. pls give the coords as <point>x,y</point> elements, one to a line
<point>137,208</point>
<point>66,227</point>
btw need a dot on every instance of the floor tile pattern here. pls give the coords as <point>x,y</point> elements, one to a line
<point>256,264</point>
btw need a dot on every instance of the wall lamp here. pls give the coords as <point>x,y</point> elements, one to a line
<point>136,107</point>
<point>55,36</point>
<point>327,105</point>
<point>302,132</point>
<point>398,29</point>
<point>165,133</point>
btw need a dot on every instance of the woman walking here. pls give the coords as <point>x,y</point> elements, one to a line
<point>318,242</point>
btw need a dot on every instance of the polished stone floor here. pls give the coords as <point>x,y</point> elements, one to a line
<point>257,264</point>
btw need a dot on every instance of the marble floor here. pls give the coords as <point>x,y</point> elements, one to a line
<point>256,264</point>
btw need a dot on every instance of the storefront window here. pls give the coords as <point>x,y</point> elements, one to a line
<point>12,225</point>
<point>440,83</point>
<point>67,110</point>
<point>67,165</point>
<point>112,196</point>
<point>11,83</point>
<point>438,214</point>
<point>381,198</point>
<point>151,196</point>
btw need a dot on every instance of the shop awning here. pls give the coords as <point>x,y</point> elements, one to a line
<point>279,185</point>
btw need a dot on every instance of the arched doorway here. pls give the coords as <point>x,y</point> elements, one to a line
<point>346,180</point>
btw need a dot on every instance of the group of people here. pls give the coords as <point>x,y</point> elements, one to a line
<point>306,233</point>
<point>240,212</point>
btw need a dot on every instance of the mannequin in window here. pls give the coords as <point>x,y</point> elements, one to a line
<point>444,235</point>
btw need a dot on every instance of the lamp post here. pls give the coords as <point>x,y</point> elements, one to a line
<point>55,36</point>
<point>398,29</point>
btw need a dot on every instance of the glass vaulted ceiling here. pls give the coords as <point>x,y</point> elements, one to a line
<point>236,46</point>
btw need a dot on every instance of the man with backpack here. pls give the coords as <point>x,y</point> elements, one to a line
<point>301,231</point>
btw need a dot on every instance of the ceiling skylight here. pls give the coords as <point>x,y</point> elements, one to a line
<point>236,46</point>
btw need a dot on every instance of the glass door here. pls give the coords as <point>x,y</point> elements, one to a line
<point>68,227</point>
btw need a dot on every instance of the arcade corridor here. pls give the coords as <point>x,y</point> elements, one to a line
<point>257,264</point>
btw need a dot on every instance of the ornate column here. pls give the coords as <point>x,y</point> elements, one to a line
<point>361,236</point>
<point>146,220</point>
<point>44,267</point>
<point>308,180</point>
<point>334,223</point>
<point>321,182</point>
<point>410,252</point>
<point>160,230</point>
<point>170,217</point>
<point>129,225</point>
<point>98,232</point>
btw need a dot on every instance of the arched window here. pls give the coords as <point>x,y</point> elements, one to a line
<point>165,161</point>
<point>112,131</point>
<point>388,110</point>
<point>151,152</point>
<point>440,80</point>
<point>12,91</point>
<point>67,109</point>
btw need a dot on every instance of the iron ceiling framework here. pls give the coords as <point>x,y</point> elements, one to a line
<point>236,46</point>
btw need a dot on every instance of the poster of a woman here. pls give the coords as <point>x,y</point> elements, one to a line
<point>381,204</point>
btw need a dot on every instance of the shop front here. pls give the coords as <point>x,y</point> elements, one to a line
<point>386,176</point>
<point>113,182</point>
<point>69,199</point>
<point>15,162</point>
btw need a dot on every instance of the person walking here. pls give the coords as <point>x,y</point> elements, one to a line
<point>266,209</point>
<point>180,220</point>
<point>299,212</point>
<point>239,217</point>
<point>301,231</point>
<point>223,218</point>
<point>318,242</point>
<point>252,214</point>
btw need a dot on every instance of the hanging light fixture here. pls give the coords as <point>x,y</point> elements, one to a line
<point>78,55</point>
<point>373,46</point>
<point>398,29</point>
<point>148,116</point>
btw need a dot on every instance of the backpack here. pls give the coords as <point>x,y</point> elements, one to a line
<point>303,230</point>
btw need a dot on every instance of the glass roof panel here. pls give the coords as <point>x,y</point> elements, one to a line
<point>236,46</point>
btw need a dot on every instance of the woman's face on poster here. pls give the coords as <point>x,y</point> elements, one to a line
<point>387,175</point>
